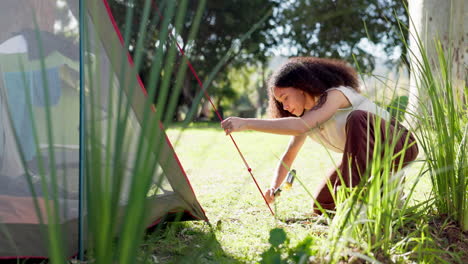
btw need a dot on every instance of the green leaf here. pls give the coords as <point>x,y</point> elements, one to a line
<point>277,237</point>
<point>271,256</point>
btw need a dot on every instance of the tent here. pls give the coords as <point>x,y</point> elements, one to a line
<point>28,91</point>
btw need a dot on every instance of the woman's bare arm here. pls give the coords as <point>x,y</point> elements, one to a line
<point>290,125</point>
<point>284,165</point>
<point>295,144</point>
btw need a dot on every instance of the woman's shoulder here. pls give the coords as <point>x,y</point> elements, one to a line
<point>353,96</point>
<point>346,89</point>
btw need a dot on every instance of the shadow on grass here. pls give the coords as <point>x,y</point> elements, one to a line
<point>308,219</point>
<point>183,242</point>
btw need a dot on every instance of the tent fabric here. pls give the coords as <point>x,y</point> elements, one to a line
<point>25,148</point>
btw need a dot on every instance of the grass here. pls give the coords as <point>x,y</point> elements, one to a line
<point>220,170</point>
<point>226,191</point>
<point>240,221</point>
<point>445,123</point>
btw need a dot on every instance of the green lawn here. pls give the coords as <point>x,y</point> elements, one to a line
<point>239,217</point>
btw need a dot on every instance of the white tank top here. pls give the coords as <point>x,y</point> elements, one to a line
<point>332,132</point>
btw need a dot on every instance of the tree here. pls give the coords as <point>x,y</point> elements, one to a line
<point>433,20</point>
<point>222,25</point>
<point>335,29</point>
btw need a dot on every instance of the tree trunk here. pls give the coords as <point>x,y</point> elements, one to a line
<point>432,20</point>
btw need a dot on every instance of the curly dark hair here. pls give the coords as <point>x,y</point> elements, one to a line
<point>311,75</point>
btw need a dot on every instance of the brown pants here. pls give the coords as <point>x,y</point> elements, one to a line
<point>358,152</point>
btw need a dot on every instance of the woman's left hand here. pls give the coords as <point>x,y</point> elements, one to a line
<point>234,124</point>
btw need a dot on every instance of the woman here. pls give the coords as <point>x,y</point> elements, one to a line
<point>320,98</point>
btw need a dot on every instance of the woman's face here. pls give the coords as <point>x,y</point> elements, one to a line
<point>294,101</point>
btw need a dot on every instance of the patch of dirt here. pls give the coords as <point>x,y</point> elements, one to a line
<point>302,221</point>
<point>315,225</point>
<point>450,238</point>
<point>307,220</point>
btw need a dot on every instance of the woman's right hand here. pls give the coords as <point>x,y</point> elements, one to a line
<point>270,195</point>
<point>234,124</point>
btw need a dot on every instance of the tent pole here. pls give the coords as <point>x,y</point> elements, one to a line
<point>82,133</point>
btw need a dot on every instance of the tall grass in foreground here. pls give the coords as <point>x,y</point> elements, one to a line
<point>443,133</point>
<point>104,193</point>
<point>371,221</point>
<point>369,218</point>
